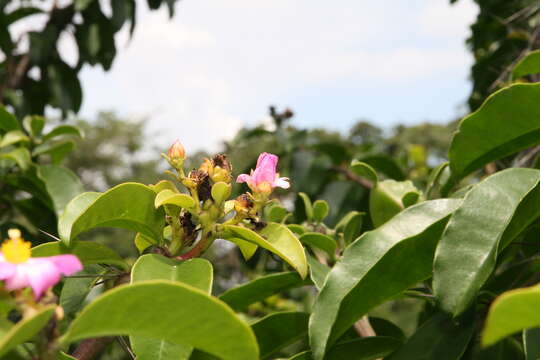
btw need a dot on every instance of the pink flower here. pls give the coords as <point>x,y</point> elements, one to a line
<point>264,178</point>
<point>19,270</point>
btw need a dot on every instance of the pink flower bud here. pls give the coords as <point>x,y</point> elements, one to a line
<point>176,151</point>
<point>264,178</point>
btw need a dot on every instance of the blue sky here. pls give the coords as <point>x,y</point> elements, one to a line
<point>217,65</point>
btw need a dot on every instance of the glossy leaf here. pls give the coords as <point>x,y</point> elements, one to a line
<point>163,185</point>
<point>61,184</point>
<point>278,239</point>
<point>13,137</point>
<point>25,329</point>
<point>75,290</point>
<point>142,242</point>
<point>439,338</point>
<point>389,197</point>
<point>398,254</point>
<point>317,272</point>
<point>471,148</point>
<point>369,348</point>
<point>195,272</point>
<point>240,297</point>
<point>169,197</point>
<point>364,170</point>
<point>513,311</point>
<point>320,210</point>
<point>247,248</point>
<point>320,241</point>
<point>467,252</point>
<point>88,252</point>
<point>129,206</point>
<point>529,65</point>
<point>279,330</point>
<point>72,211</point>
<point>197,315</point>
<point>63,130</point>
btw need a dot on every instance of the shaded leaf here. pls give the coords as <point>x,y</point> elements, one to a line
<point>389,197</point>
<point>369,348</point>
<point>320,241</point>
<point>279,330</point>
<point>61,184</point>
<point>529,65</point>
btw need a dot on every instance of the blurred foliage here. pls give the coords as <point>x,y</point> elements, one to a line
<point>504,31</point>
<point>33,71</point>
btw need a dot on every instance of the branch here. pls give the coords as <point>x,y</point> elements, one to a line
<point>90,348</point>
<point>349,174</point>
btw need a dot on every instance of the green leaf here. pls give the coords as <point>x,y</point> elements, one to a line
<point>56,150</point>
<point>529,65</point>
<point>531,343</point>
<point>435,177</point>
<point>471,148</point>
<point>308,208</point>
<point>72,211</point>
<point>297,229</point>
<point>398,254</point>
<point>129,206</point>
<point>61,184</point>
<point>64,86</point>
<point>34,124</point>
<point>169,197</point>
<point>75,290</point>
<point>21,156</point>
<point>320,241</point>
<point>62,130</point>
<point>513,311</point>
<point>320,210</point>
<point>386,165</point>
<point>136,310</point>
<point>275,213</point>
<point>317,272</point>
<point>220,192</point>
<point>440,338</point>
<point>88,252</point>
<point>195,272</point>
<point>247,248</point>
<point>142,242</point>
<point>13,137</point>
<point>163,185</point>
<point>25,329</point>
<point>8,122</point>
<point>279,330</point>
<point>350,226</point>
<point>364,170</point>
<point>467,252</point>
<point>369,348</point>
<point>279,240</point>
<point>389,197</point>
<point>240,297</point>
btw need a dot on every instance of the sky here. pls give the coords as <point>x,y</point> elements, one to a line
<point>218,64</point>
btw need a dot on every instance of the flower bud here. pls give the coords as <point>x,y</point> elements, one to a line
<point>221,169</point>
<point>207,166</point>
<point>176,154</point>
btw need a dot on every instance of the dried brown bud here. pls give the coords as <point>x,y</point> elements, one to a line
<point>207,166</point>
<point>221,169</point>
<point>202,183</point>
<point>222,161</point>
<point>243,204</point>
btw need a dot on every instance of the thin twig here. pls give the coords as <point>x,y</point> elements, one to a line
<point>349,174</point>
<point>125,346</point>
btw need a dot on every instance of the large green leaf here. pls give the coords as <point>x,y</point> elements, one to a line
<point>529,65</point>
<point>62,185</point>
<point>25,329</point>
<point>88,252</point>
<point>240,297</point>
<point>467,252</point>
<point>440,338</point>
<point>129,206</point>
<point>486,135</point>
<point>278,239</point>
<point>369,348</point>
<point>389,197</point>
<point>512,312</point>
<point>278,330</point>
<point>195,272</point>
<point>72,211</point>
<point>378,265</point>
<point>171,311</point>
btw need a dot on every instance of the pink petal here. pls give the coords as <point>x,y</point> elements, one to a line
<point>282,183</point>
<point>267,160</point>
<point>243,178</point>
<point>7,269</point>
<point>42,274</point>
<point>18,280</point>
<point>66,264</point>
